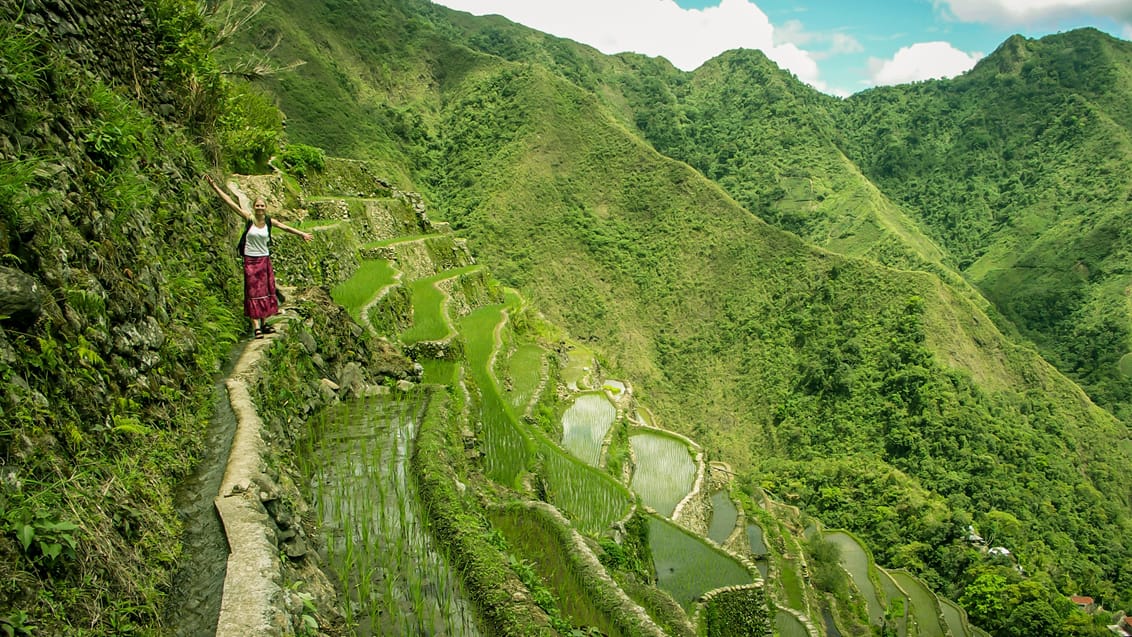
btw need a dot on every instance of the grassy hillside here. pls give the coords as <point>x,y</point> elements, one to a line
<point>1021,169</point>
<point>883,400</point>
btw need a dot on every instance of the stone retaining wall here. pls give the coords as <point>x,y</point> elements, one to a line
<point>114,38</point>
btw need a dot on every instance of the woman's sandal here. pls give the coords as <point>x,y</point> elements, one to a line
<point>258,333</point>
<point>267,329</point>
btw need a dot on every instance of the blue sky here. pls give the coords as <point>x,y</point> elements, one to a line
<point>837,46</point>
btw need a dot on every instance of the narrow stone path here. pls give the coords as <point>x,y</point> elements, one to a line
<point>252,602</point>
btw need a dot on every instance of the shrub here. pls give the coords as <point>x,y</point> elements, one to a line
<point>250,129</point>
<point>298,159</point>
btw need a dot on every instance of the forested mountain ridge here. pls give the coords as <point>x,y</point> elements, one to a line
<point>883,400</point>
<point>743,122</point>
<point>1020,168</point>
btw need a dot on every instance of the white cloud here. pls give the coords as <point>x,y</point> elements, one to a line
<point>1024,12</point>
<point>794,32</point>
<point>842,43</point>
<point>922,61</point>
<point>686,37</point>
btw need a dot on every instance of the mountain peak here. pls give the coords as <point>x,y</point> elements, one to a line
<point>1083,58</point>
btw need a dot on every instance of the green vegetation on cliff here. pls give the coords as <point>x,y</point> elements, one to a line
<point>126,312</point>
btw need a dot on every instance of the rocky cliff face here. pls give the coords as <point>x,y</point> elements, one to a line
<point>118,300</point>
<point>112,38</point>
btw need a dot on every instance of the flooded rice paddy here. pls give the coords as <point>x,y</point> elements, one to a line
<point>394,579</point>
<point>686,567</point>
<point>585,424</point>
<point>723,517</point>
<point>897,600</point>
<point>788,625</point>
<point>856,562</point>
<point>665,471</point>
<point>924,605</point>
<point>525,367</point>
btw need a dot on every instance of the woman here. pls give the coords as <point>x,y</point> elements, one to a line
<point>260,301</point>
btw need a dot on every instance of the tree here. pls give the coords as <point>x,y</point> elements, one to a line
<point>985,600</point>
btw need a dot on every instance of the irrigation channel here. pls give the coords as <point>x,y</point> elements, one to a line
<point>356,460</point>
<point>199,585</point>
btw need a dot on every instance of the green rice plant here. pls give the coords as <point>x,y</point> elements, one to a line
<point>361,288</point>
<point>791,582</point>
<point>665,470</point>
<point>524,367</point>
<point>589,497</point>
<point>440,372</point>
<point>506,448</point>
<point>585,425</point>
<point>687,567</point>
<point>378,546</point>
<point>430,321</point>
<point>533,539</point>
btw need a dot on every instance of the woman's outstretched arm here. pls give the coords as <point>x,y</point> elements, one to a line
<point>226,199</point>
<point>295,231</point>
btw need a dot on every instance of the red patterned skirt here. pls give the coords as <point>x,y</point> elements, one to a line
<point>259,288</point>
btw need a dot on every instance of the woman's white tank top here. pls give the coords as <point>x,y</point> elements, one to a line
<point>256,243</point>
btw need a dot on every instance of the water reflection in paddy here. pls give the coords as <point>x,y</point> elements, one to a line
<point>585,424</point>
<point>687,567</point>
<point>723,517</point>
<point>665,471</point>
<point>856,563</point>
<point>755,537</point>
